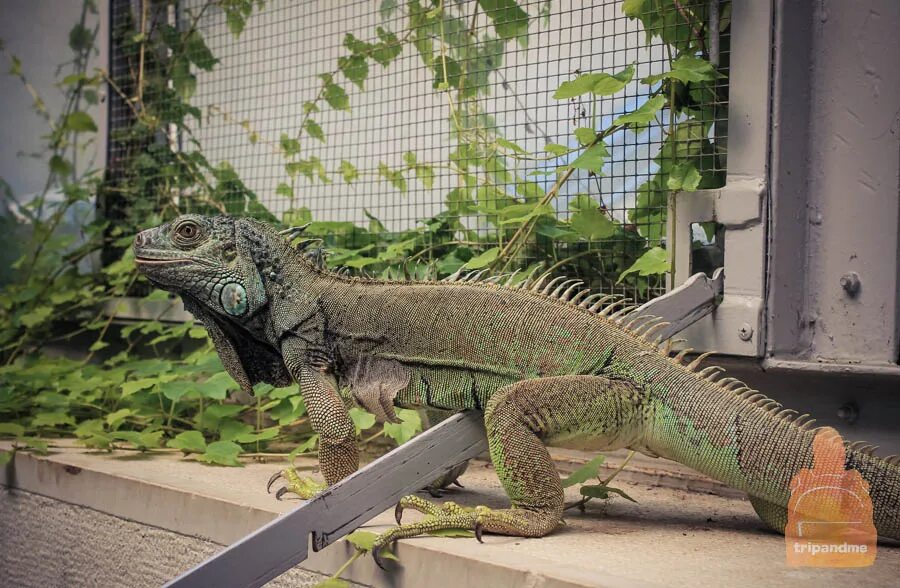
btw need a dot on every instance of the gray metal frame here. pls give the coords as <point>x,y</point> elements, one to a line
<point>833,295</point>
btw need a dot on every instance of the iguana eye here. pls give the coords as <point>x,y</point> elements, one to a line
<point>187,233</point>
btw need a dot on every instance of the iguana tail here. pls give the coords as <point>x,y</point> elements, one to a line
<point>740,437</point>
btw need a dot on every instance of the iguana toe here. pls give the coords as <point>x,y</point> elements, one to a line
<point>303,486</point>
<point>508,521</point>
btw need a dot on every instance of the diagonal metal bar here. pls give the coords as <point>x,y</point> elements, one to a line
<point>683,306</point>
<point>341,509</point>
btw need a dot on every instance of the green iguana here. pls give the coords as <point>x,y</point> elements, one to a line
<point>544,359</point>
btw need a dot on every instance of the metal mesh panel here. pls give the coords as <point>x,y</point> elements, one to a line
<point>254,97</point>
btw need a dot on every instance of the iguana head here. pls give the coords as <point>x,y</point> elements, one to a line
<point>214,263</point>
<point>207,259</point>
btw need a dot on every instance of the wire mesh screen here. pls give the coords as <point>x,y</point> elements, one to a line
<point>380,122</point>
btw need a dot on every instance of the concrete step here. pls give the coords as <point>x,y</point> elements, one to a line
<point>680,533</point>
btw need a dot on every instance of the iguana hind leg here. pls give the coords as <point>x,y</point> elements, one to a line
<point>519,419</point>
<point>773,515</point>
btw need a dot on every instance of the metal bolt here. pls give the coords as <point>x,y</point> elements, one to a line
<point>849,412</point>
<point>850,283</point>
<point>745,332</point>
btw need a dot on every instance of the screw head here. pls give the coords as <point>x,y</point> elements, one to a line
<point>745,332</point>
<point>850,283</point>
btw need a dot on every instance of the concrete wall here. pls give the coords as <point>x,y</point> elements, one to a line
<point>46,542</point>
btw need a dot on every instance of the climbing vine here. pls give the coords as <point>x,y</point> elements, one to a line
<point>155,386</point>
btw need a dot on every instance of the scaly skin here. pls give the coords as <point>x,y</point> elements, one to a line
<point>545,363</point>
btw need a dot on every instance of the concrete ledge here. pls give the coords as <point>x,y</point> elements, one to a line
<point>672,537</point>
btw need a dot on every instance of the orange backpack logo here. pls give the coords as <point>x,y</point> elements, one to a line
<point>830,511</point>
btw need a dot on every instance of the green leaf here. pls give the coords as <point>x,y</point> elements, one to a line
<point>284,190</point>
<point>520,213</point>
<point>598,83</point>
<point>60,166</point>
<point>506,144</point>
<point>355,68</point>
<point>38,445</point>
<point>334,95</point>
<point>607,85</point>
<point>556,149</point>
<point>114,419</point>
<point>410,424</point>
<point>687,68</point>
<point>261,435</point>
<point>288,145</point>
<point>653,261</point>
<point>5,457</point>
<point>36,316</point>
<point>582,84</point>
<point>235,21</point>
<point>188,442</point>
<point>217,386</point>
<point>196,50</point>
<point>230,430</point>
<point>98,345</point>
<point>348,171</point>
<point>140,440</point>
<point>362,419</point>
<point>80,38</point>
<point>510,20</point>
<point>175,390</point>
<point>644,114</point>
<point>306,446</point>
<point>589,470</point>
<point>601,491</point>
<point>483,260</point>
<point>395,177</point>
<point>129,388</point>
<point>363,540</point>
<point>184,82</point>
<point>592,223</point>
<point>585,135</point>
<point>12,429</point>
<point>387,8</point>
<point>684,176</point>
<point>592,158</point>
<point>633,8</point>
<point>313,129</point>
<point>52,419</point>
<point>222,453</point>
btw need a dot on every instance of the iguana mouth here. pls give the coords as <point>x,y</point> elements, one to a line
<point>150,261</point>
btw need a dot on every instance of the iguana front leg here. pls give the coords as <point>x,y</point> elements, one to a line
<point>519,420</point>
<point>338,451</point>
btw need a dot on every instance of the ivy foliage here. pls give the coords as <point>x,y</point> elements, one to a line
<point>156,386</point>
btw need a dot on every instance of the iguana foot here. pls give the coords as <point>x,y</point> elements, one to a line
<point>449,515</point>
<point>303,486</point>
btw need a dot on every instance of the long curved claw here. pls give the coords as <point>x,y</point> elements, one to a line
<point>376,555</point>
<point>272,480</point>
<point>281,492</point>
<point>398,512</point>
<point>456,483</point>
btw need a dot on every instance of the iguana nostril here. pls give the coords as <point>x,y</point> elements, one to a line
<point>139,239</point>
